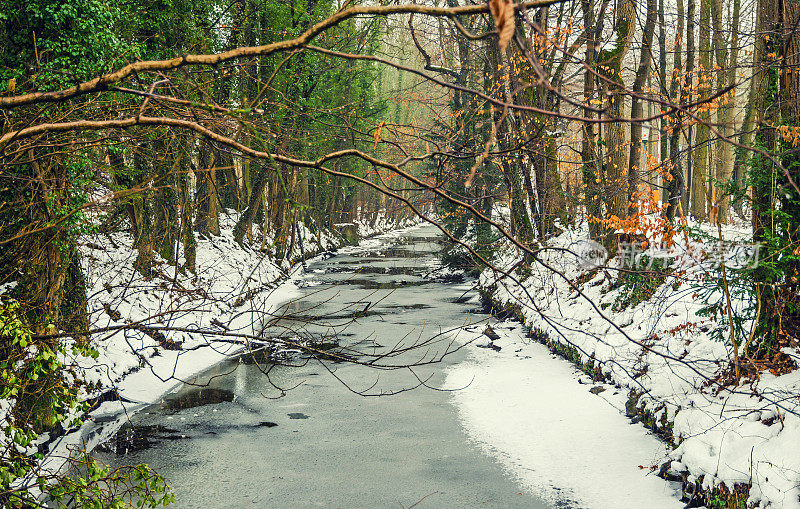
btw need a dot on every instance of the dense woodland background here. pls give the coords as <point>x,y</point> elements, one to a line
<point>157,117</point>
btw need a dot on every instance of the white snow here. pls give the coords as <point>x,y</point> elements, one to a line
<point>748,435</point>
<point>526,408</point>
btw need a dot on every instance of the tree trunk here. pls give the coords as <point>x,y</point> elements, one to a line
<point>704,88</point>
<point>675,185</point>
<point>187,231</point>
<point>499,79</point>
<point>165,203</point>
<point>662,74</point>
<point>765,109</point>
<point>686,95</point>
<point>634,164</point>
<point>206,196</point>
<point>589,148</point>
<point>616,195</point>
<point>46,263</point>
<point>730,109</point>
<point>726,75</point>
<point>142,217</point>
<point>245,222</point>
<point>742,155</point>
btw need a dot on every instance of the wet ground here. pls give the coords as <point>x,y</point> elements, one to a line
<point>252,433</point>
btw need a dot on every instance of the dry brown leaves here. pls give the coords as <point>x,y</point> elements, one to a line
<point>503,14</point>
<point>378,135</point>
<point>714,216</point>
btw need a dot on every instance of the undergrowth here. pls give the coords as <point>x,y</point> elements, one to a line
<point>639,283</point>
<point>37,392</point>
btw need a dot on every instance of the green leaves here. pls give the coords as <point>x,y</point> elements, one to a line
<point>100,487</point>
<point>31,371</point>
<point>56,43</point>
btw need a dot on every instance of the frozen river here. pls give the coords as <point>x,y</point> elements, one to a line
<point>235,440</point>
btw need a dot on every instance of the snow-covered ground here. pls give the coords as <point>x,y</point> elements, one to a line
<point>661,349</point>
<point>535,413</point>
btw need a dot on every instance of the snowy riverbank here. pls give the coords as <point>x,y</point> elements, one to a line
<point>535,414</point>
<point>659,351</point>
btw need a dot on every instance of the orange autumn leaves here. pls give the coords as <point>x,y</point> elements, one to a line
<point>648,220</point>
<point>503,14</point>
<point>378,134</point>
